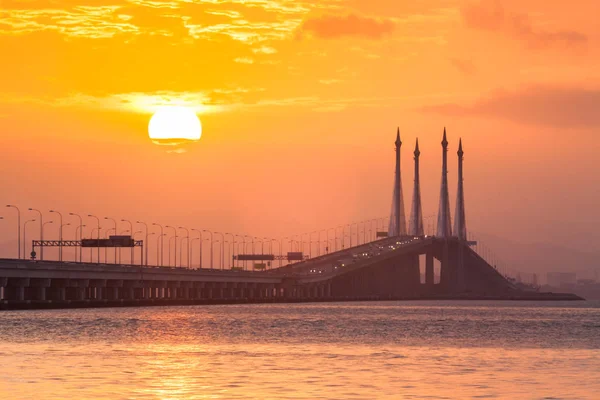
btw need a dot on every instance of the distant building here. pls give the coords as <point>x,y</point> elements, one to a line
<point>558,279</point>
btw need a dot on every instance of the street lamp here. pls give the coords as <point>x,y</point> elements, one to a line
<point>161,242</point>
<point>238,248</point>
<point>18,231</point>
<point>61,229</point>
<point>188,245</point>
<point>211,247</point>
<point>175,249</point>
<point>192,249</point>
<point>232,246</point>
<point>98,243</point>
<point>106,248</point>
<point>222,248</point>
<point>41,232</point>
<point>60,235</point>
<point>199,237</point>
<point>275,240</point>
<point>130,231</point>
<point>91,236</point>
<point>146,241</point>
<point>25,233</point>
<point>115,229</point>
<point>43,225</point>
<point>81,232</point>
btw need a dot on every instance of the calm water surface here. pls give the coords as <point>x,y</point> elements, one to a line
<point>387,350</point>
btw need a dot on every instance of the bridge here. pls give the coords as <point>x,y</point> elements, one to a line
<point>378,269</point>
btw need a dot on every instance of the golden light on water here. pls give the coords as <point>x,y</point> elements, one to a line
<point>173,125</point>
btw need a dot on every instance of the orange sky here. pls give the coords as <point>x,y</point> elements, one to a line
<point>299,103</point>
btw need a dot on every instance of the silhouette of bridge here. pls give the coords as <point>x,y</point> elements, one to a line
<point>383,268</point>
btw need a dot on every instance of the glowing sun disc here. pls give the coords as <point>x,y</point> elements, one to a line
<point>174,123</point>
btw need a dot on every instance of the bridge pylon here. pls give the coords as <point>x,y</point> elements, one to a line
<point>444,226</point>
<point>397,225</point>
<point>415,224</point>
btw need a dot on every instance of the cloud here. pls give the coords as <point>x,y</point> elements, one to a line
<point>492,16</point>
<point>244,60</point>
<point>331,26</point>
<point>264,50</point>
<point>546,106</point>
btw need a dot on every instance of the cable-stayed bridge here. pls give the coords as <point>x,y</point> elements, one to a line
<point>407,263</point>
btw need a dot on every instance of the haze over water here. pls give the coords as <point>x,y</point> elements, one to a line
<point>390,350</point>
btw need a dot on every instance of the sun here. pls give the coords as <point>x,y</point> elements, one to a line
<point>174,125</point>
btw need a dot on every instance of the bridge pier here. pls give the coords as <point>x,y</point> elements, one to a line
<point>429,271</point>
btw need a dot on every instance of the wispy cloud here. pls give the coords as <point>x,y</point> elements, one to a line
<point>491,15</point>
<point>333,26</point>
<point>548,106</point>
<point>244,60</point>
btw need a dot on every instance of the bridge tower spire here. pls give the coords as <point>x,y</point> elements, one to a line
<point>415,224</point>
<point>444,227</point>
<point>460,224</point>
<point>397,225</point>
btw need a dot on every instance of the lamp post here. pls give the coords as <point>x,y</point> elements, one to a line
<point>199,237</point>
<point>141,257</point>
<point>192,251</point>
<point>232,246</point>
<point>275,240</point>
<point>161,242</point>
<point>243,243</point>
<point>18,231</point>
<point>60,236</point>
<point>146,241</point>
<point>216,241</point>
<point>222,248</point>
<point>188,245</point>
<point>252,241</point>
<point>43,225</point>
<point>41,232</point>
<point>25,234</point>
<point>61,230</point>
<point>174,237</point>
<point>353,223</point>
<point>130,231</point>
<point>115,228</point>
<point>91,236</point>
<point>98,243</point>
<point>148,248</point>
<point>81,233</point>
<point>211,247</point>
<point>175,249</point>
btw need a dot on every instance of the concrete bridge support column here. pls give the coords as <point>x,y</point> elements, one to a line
<point>429,274</point>
<point>15,288</point>
<point>445,267</point>
<point>199,289</point>
<point>39,288</point>
<point>186,289</point>
<point>100,285</point>
<point>231,290</point>
<point>81,289</point>
<point>172,286</point>
<point>112,289</point>
<point>3,284</point>
<point>460,268</point>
